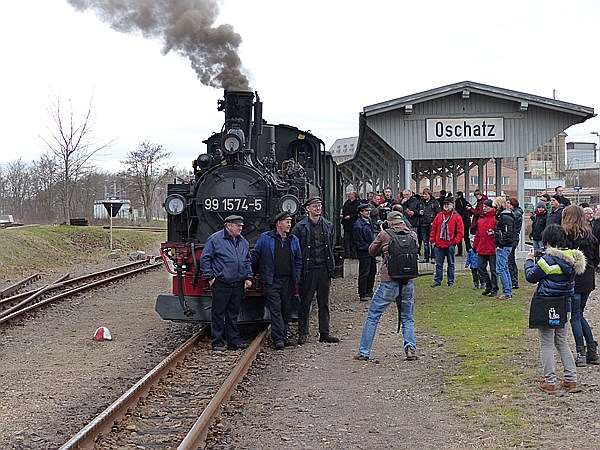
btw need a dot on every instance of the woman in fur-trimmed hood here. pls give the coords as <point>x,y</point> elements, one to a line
<point>555,271</point>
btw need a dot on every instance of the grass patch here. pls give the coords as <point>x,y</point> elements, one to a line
<point>486,335</point>
<point>30,249</point>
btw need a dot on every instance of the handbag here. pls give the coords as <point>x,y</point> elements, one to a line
<point>548,312</point>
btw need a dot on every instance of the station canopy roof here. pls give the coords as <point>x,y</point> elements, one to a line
<point>397,130</point>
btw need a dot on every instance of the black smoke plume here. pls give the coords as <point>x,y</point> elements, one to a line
<point>183,26</point>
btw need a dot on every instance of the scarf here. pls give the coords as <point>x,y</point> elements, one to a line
<point>445,231</point>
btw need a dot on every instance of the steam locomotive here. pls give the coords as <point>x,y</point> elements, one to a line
<point>250,168</point>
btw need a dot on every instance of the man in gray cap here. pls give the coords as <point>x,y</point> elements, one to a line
<point>318,268</point>
<point>226,265</point>
<point>277,254</point>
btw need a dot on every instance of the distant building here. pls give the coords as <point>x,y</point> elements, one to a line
<point>343,149</point>
<point>581,153</point>
<point>548,160</point>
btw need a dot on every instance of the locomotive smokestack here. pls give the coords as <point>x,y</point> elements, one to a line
<point>185,27</point>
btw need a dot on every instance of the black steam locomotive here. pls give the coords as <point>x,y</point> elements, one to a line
<point>253,169</point>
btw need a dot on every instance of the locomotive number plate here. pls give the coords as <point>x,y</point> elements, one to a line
<point>230,204</point>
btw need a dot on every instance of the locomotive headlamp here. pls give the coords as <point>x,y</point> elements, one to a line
<point>289,203</point>
<point>175,204</point>
<point>204,161</point>
<point>231,143</point>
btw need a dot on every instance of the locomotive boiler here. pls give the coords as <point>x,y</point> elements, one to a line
<point>250,168</point>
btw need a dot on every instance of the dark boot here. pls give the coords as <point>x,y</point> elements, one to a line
<point>592,354</point>
<point>580,361</point>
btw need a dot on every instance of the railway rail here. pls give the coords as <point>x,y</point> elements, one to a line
<point>173,405</point>
<point>18,304</point>
<point>15,287</point>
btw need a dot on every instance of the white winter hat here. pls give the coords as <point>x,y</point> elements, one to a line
<point>102,334</point>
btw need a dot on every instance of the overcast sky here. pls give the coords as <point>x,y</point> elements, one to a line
<point>315,65</point>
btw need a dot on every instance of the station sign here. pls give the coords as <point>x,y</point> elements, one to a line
<point>470,129</point>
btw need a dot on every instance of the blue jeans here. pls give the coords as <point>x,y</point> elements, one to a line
<point>579,325</point>
<point>440,255</point>
<point>502,269</point>
<point>386,293</point>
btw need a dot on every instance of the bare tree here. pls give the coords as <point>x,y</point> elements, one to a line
<point>145,168</point>
<point>44,179</point>
<point>73,145</point>
<point>17,187</point>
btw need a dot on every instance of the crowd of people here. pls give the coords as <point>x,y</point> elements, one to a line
<point>446,227</point>
<point>563,262</point>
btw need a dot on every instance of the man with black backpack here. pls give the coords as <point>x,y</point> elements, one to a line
<point>400,266</point>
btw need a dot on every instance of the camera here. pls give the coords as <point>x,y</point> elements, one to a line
<point>539,252</point>
<point>383,212</point>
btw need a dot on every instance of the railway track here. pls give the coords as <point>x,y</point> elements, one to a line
<point>173,405</point>
<point>15,287</point>
<point>18,304</point>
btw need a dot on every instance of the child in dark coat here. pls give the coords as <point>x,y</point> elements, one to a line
<point>471,263</point>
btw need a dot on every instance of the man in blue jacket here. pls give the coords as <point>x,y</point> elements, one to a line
<point>277,254</point>
<point>226,265</point>
<point>318,268</point>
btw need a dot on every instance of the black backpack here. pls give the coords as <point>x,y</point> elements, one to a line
<point>403,256</point>
<point>403,262</point>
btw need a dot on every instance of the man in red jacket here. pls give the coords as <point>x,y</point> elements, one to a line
<point>485,246</point>
<point>447,230</point>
